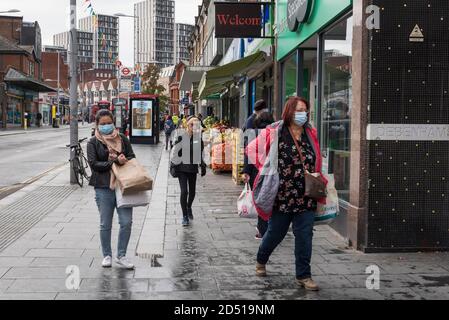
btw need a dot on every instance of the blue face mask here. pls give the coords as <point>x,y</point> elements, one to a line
<point>301,118</point>
<point>107,129</point>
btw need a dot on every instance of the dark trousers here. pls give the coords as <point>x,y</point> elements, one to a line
<point>187,182</point>
<point>262,226</point>
<point>302,229</point>
<point>167,141</point>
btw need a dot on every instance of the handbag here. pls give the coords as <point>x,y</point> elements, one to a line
<point>134,200</point>
<point>132,177</point>
<point>315,187</point>
<point>245,205</point>
<point>173,171</point>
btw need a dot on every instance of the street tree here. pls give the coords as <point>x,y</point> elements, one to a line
<point>151,85</point>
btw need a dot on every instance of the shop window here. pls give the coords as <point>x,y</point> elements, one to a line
<point>337,103</point>
<point>290,76</point>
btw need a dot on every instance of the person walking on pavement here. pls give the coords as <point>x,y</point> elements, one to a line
<point>169,127</point>
<point>175,120</point>
<point>189,140</point>
<point>259,107</point>
<point>200,117</point>
<point>250,171</point>
<point>39,119</point>
<point>105,148</point>
<point>291,206</point>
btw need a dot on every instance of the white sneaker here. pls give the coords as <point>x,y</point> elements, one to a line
<point>107,262</point>
<point>123,261</point>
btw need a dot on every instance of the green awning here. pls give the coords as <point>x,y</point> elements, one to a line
<point>217,80</point>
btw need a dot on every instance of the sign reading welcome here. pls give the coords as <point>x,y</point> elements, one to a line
<point>238,20</point>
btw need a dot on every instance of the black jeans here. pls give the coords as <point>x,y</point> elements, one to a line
<point>187,182</point>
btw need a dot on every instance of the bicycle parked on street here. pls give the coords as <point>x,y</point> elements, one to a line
<point>80,164</point>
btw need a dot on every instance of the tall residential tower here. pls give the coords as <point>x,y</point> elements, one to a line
<point>182,36</point>
<point>155,33</point>
<point>105,39</point>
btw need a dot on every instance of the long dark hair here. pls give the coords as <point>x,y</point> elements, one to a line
<point>103,113</point>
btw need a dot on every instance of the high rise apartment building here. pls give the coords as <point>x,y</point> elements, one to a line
<point>155,33</point>
<point>105,39</point>
<point>182,36</point>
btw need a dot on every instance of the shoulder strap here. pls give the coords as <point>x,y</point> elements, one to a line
<point>297,145</point>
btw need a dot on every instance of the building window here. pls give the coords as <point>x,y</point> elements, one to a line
<point>337,103</point>
<point>30,68</point>
<point>290,76</point>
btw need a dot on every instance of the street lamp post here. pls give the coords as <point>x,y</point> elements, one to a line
<point>136,30</point>
<point>59,107</point>
<point>73,89</point>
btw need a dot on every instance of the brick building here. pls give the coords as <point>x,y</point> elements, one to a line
<point>20,71</point>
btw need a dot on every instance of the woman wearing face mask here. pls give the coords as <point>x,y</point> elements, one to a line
<point>291,206</point>
<point>107,147</point>
<point>189,140</point>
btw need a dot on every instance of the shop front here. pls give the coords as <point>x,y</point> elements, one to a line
<point>314,51</point>
<point>22,99</point>
<point>379,96</point>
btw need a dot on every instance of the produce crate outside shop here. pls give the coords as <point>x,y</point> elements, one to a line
<point>237,158</point>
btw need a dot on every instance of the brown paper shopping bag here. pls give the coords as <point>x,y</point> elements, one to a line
<point>132,177</point>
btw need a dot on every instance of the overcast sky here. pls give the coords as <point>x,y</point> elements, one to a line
<point>52,16</point>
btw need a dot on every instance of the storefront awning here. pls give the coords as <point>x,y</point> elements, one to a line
<point>192,75</point>
<point>217,80</point>
<point>19,79</point>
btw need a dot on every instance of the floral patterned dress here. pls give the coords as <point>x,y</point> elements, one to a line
<point>290,198</point>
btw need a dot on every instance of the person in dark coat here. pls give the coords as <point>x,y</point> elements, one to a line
<point>105,148</point>
<point>186,170</point>
<point>169,127</point>
<point>261,121</point>
<point>259,107</point>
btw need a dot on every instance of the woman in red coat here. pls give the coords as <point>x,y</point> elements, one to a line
<point>281,197</point>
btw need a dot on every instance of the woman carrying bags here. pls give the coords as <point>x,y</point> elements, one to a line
<point>291,145</point>
<point>107,147</point>
<point>187,156</point>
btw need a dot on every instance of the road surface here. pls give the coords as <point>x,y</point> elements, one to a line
<point>26,156</point>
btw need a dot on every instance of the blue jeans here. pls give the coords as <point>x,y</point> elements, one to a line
<point>107,204</point>
<point>302,229</point>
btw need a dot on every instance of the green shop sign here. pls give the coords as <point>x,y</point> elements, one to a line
<point>307,17</point>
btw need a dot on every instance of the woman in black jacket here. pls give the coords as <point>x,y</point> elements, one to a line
<point>186,167</point>
<point>105,148</point>
<point>250,172</point>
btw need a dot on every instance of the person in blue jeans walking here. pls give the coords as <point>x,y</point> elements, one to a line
<point>291,206</point>
<point>105,148</point>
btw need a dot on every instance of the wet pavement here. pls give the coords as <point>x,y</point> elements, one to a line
<point>212,259</point>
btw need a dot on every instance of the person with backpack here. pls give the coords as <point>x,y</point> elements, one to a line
<point>169,127</point>
<point>261,121</point>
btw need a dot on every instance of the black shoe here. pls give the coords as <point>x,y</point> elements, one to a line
<point>190,213</point>
<point>185,222</point>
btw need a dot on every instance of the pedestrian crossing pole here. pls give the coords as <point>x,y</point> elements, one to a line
<point>73,88</point>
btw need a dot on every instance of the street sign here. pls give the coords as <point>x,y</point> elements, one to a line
<point>126,71</point>
<point>126,85</point>
<point>118,63</point>
<point>137,86</point>
<point>238,20</point>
